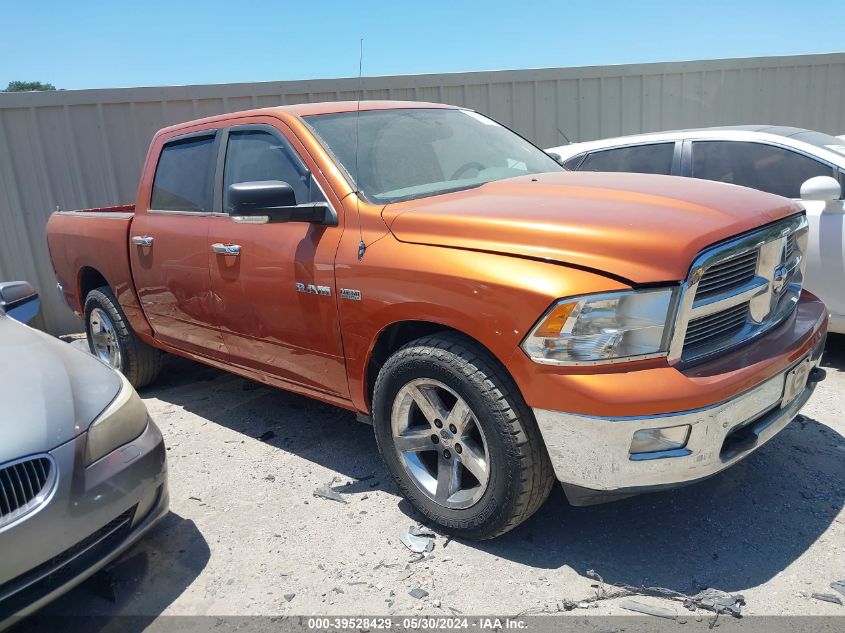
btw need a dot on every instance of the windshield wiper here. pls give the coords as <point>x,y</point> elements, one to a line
<point>434,193</point>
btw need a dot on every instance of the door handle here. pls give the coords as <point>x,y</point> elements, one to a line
<point>226,249</point>
<point>142,240</point>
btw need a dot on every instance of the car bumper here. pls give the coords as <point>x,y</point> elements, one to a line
<point>837,323</point>
<point>591,455</point>
<point>94,514</point>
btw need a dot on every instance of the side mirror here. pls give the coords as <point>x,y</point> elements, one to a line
<point>823,188</point>
<point>265,201</point>
<point>556,157</point>
<point>19,300</point>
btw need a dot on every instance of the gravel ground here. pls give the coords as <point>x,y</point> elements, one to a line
<point>247,536</point>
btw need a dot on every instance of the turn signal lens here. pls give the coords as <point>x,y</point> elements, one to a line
<point>555,320</point>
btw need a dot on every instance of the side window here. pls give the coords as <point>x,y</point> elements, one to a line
<point>253,155</point>
<point>183,176</point>
<point>572,163</point>
<point>655,158</point>
<point>756,165</point>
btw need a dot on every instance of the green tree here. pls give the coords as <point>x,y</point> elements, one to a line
<point>27,86</point>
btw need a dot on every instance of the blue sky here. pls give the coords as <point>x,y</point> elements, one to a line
<point>96,44</point>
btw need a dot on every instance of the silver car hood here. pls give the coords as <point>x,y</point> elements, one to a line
<point>49,392</point>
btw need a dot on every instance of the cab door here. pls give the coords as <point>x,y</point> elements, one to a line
<point>274,283</point>
<point>168,244</point>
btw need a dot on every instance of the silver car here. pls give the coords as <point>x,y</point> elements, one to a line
<point>83,472</point>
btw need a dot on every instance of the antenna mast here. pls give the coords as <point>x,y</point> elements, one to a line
<point>361,246</point>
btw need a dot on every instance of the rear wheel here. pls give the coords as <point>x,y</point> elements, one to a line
<point>112,339</point>
<point>458,439</point>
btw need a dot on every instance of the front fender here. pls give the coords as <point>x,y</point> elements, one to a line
<point>491,298</point>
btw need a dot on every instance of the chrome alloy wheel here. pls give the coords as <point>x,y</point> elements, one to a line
<point>440,443</point>
<point>104,338</point>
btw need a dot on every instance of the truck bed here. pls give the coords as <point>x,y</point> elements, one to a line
<point>90,248</point>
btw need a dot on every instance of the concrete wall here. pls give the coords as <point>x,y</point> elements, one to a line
<point>83,148</point>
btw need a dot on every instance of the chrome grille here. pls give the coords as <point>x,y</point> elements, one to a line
<point>791,245</point>
<point>24,485</point>
<point>728,275</point>
<point>740,289</point>
<point>714,327</point>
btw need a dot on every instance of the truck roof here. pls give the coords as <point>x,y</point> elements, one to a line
<point>307,109</point>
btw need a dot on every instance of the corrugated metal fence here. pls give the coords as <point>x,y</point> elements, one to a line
<point>83,148</point>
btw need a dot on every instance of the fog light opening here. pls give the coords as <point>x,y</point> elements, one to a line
<point>656,440</point>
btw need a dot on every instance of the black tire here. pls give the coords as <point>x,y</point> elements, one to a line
<point>139,362</point>
<point>520,472</point>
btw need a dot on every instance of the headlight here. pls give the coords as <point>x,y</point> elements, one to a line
<point>603,328</point>
<point>122,421</point>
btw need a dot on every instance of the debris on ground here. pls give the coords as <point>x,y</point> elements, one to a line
<point>714,600</point>
<point>827,597</point>
<point>381,564</point>
<point>418,593</point>
<point>717,601</point>
<point>327,492</point>
<point>838,585</point>
<point>418,539</point>
<point>290,596</point>
<point>639,607</point>
<point>266,436</point>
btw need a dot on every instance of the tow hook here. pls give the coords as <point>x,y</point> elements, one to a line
<point>817,374</point>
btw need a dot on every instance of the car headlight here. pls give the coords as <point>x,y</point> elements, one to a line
<point>604,328</point>
<point>120,423</point>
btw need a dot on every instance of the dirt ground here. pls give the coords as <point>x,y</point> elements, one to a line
<point>247,536</point>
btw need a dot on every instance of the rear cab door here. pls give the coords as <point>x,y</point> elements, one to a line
<point>168,241</point>
<point>274,283</point>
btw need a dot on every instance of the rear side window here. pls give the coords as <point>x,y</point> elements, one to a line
<point>655,158</point>
<point>572,163</point>
<point>253,155</point>
<point>756,165</point>
<point>183,176</point>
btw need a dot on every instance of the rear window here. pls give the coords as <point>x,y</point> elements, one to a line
<point>183,176</point>
<point>655,158</point>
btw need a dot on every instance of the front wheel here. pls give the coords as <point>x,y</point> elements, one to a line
<point>112,339</point>
<point>460,442</point>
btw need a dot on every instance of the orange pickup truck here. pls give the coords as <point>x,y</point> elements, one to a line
<point>502,323</point>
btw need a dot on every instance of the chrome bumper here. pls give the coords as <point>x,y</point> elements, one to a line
<point>591,458</point>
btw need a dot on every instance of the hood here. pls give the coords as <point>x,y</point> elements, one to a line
<point>49,391</point>
<point>643,228</point>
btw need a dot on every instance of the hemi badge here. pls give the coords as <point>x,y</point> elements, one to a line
<point>348,293</point>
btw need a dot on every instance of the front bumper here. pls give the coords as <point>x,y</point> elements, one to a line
<point>93,516</point>
<point>591,455</point>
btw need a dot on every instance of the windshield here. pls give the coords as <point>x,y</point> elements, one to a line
<point>416,152</point>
